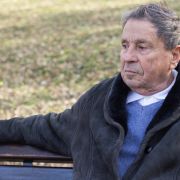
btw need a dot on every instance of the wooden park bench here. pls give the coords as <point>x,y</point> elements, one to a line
<point>22,162</point>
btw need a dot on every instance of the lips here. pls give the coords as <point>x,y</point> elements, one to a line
<point>130,71</point>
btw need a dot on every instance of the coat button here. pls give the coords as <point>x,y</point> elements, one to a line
<point>148,149</point>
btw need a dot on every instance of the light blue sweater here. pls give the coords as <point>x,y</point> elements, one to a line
<point>139,118</point>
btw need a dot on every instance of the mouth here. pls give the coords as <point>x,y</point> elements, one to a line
<point>130,71</point>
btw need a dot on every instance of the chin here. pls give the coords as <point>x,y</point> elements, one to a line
<point>132,83</point>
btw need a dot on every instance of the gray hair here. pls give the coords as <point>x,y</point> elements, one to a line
<point>164,19</point>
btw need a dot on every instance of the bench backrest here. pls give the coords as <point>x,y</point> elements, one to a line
<point>21,162</point>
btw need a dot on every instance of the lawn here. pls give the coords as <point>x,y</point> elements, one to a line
<point>53,50</point>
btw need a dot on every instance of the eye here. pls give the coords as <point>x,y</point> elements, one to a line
<point>124,45</point>
<point>142,47</point>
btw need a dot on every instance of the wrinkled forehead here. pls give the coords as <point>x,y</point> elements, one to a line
<point>139,30</point>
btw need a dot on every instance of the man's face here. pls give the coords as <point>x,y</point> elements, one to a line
<point>145,63</point>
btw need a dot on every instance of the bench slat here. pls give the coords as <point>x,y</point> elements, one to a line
<point>25,152</point>
<point>28,173</point>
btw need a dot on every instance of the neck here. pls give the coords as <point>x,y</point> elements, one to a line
<point>148,91</point>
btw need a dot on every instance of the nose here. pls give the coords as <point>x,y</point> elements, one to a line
<point>128,54</point>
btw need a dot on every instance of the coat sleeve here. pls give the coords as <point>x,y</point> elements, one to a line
<point>53,131</point>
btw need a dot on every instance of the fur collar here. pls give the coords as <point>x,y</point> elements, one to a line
<point>116,100</point>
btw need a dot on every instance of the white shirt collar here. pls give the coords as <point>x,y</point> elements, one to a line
<point>147,100</point>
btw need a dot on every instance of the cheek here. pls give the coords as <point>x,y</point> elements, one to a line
<point>149,63</point>
<point>152,68</point>
<point>121,63</point>
<point>149,70</point>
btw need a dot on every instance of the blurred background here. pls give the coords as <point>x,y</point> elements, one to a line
<point>51,51</point>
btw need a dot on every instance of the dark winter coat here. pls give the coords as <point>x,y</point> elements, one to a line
<point>93,130</point>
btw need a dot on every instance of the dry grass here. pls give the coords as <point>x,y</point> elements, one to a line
<point>53,50</point>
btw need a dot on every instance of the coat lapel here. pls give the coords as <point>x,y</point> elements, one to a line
<point>107,130</point>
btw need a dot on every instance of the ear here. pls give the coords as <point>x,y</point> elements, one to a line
<point>175,57</point>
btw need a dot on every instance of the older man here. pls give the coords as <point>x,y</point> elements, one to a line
<point>126,127</point>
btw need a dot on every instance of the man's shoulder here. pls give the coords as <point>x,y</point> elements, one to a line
<point>102,86</point>
<point>100,89</point>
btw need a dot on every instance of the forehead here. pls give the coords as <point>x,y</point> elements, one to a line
<point>139,30</point>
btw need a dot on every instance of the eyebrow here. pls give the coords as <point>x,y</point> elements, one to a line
<point>138,41</point>
<point>141,41</point>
